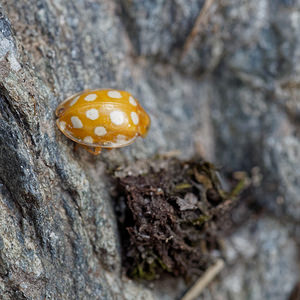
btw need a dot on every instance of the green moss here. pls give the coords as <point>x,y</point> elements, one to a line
<point>182,186</point>
<point>149,271</point>
<point>201,220</point>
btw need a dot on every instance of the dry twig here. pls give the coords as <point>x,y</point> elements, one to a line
<point>201,19</point>
<point>204,280</point>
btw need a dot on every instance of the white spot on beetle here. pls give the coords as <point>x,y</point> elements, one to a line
<point>117,117</point>
<point>135,118</point>
<point>74,101</point>
<point>76,122</point>
<point>132,101</point>
<point>90,97</point>
<point>114,94</point>
<point>92,114</point>
<point>121,138</point>
<point>62,125</point>
<point>100,131</point>
<point>88,139</point>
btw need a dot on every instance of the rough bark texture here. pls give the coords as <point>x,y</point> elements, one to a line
<point>230,92</point>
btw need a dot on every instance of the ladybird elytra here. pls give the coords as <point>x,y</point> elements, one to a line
<point>102,119</point>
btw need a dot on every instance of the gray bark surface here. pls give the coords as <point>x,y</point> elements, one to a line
<point>219,78</point>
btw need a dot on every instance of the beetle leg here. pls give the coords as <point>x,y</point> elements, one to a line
<point>76,146</point>
<point>94,151</point>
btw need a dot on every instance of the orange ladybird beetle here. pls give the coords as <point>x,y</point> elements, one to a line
<point>102,119</point>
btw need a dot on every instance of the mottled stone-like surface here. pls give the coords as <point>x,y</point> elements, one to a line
<point>230,93</point>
